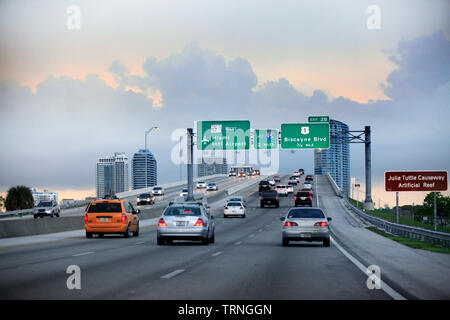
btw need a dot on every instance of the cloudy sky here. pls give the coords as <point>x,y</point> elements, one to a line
<point>69,96</point>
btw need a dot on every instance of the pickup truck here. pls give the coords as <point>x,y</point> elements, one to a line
<point>269,197</point>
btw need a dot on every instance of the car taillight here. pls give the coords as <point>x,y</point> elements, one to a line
<point>162,223</point>
<point>321,224</point>
<point>199,223</point>
<point>123,218</point>
<point>290,224</point>
<point>295,198</point>
<point>276,198</point>
<point>85,218</point>
<point>260,198</point>
<point>310,198</point>
<point>242,208</point>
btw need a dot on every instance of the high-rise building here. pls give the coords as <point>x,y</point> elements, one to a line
<point>210,166</point>
<point>336,159</point>
<point>112,175</point>
<point>44,195</point>
<point>144,170</point>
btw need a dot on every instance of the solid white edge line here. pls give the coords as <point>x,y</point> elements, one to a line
<point>385,287</point>
<point>218,253</point>
<point>172,274</point>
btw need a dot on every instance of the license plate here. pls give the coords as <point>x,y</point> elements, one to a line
<point>305,235</point>
<point>104,219</point>
<point>303,198</point>
<point>180,223</point>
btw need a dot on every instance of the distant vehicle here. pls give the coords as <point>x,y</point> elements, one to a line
<point>212,187</point>
<point>184,193</point>
<point>290,188</point>
<point>296,173</point>
<point>264,185</point>
<point>47,208</point>
<point>282,190</point>
<point>256,172</point>
<point>269,197</point>
<point>185,221</point>
<point>309,178</point>
<point>277,179</point>
<point>234,208</point>
<point>158,191</point>
<point>232,174</point>
<point>111,216</point>
<point>292,180</point>
<point>303,198</point>
<point>236,199</point>
<point>241,174</point>
<point>301,171</point>
<point>305,224</point>
<point>145,199</point>
<point>201,185</point>
<point>272,182</point>
<point>307,184</point>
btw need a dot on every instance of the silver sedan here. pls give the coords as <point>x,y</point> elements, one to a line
<point>185,221</point>
<point>305,224</point>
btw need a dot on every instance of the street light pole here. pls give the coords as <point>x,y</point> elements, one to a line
<point>146,133</point>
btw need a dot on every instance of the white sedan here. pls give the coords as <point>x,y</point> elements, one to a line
<point>282,190</point>
<point>290,188</point>
<point>201,185</point>
<point>234,208</point>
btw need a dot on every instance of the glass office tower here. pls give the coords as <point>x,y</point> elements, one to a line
<point>144,170</point>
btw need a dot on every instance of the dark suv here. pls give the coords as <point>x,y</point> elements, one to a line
<point>303,198</point>
<point>145,198</point>
<point>269,197</point>
<point>264,186</point>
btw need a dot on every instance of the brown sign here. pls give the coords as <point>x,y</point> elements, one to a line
<point>415,180</point>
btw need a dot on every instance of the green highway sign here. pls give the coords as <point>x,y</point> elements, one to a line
<point>305,135</point>
<point>223,135</point>
<point>265,139</point>
<point>319,119</point>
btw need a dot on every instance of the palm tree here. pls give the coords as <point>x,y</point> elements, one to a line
<point>19,198</point>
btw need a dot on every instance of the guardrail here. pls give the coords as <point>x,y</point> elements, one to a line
<point>245,185</point>
<point>334,185</point>
<point>434,237</point>
<point>17,212</point>
<point>166,186</point>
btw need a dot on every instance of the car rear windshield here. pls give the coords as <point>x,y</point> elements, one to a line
<point>262,183</point>
<point>269,193</point>
<point>145,195</point>
<point>235,199</point>
<point>234,204</point>
<point>182,211</point>
<point>105,207</point>
<point>303,194</point>
<point>306,213</point>
<point>156,188</point>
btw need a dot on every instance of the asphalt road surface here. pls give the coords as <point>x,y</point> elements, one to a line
<point>247,261</point>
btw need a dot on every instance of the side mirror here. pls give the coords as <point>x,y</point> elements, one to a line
<point>329,219</point>
<point>282,218</point>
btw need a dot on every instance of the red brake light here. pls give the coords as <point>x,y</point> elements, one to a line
<point>124,218</point>
<point>85,218</point>
<point>276,198</point>
<point>295,198</point>
<point>199,223</point>
<point>321,224</point>
<point>242,208</point>
<point>260,198</point>
<point>162,223</point>
<point>290,224</point>
<point>310,198</point>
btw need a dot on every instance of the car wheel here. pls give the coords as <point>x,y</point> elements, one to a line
<point>243,216</point>
<point>136,233</point>
<point>205,241</point>
<point>261,206</point>
<point>126,234</point>
<point>326,242</point>
<point>35,216</point>
<point>100,235</point>
<point>41,216</point>
<point>89,235</point>
<point>212,239</point>
<point>285,242</point>
<point>160,241</point>
<point>57,215</point>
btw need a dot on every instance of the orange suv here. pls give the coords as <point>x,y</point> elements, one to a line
<point>111,216</point>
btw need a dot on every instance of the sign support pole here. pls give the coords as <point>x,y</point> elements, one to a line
<point>397,209</point>
<point>368,203</point>
<point>190,172</point>
<point>435,212</point>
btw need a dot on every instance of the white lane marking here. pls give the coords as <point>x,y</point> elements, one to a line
<point>82,254</point>
<point>218,253</point>
<point>238,243</point>
<point>260,230</point>
<point>172,274</point>
<point>140,242</point>
<point>251,236</point>
<point>386,288</point>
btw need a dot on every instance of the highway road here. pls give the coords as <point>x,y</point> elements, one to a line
<point>247,261</point>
